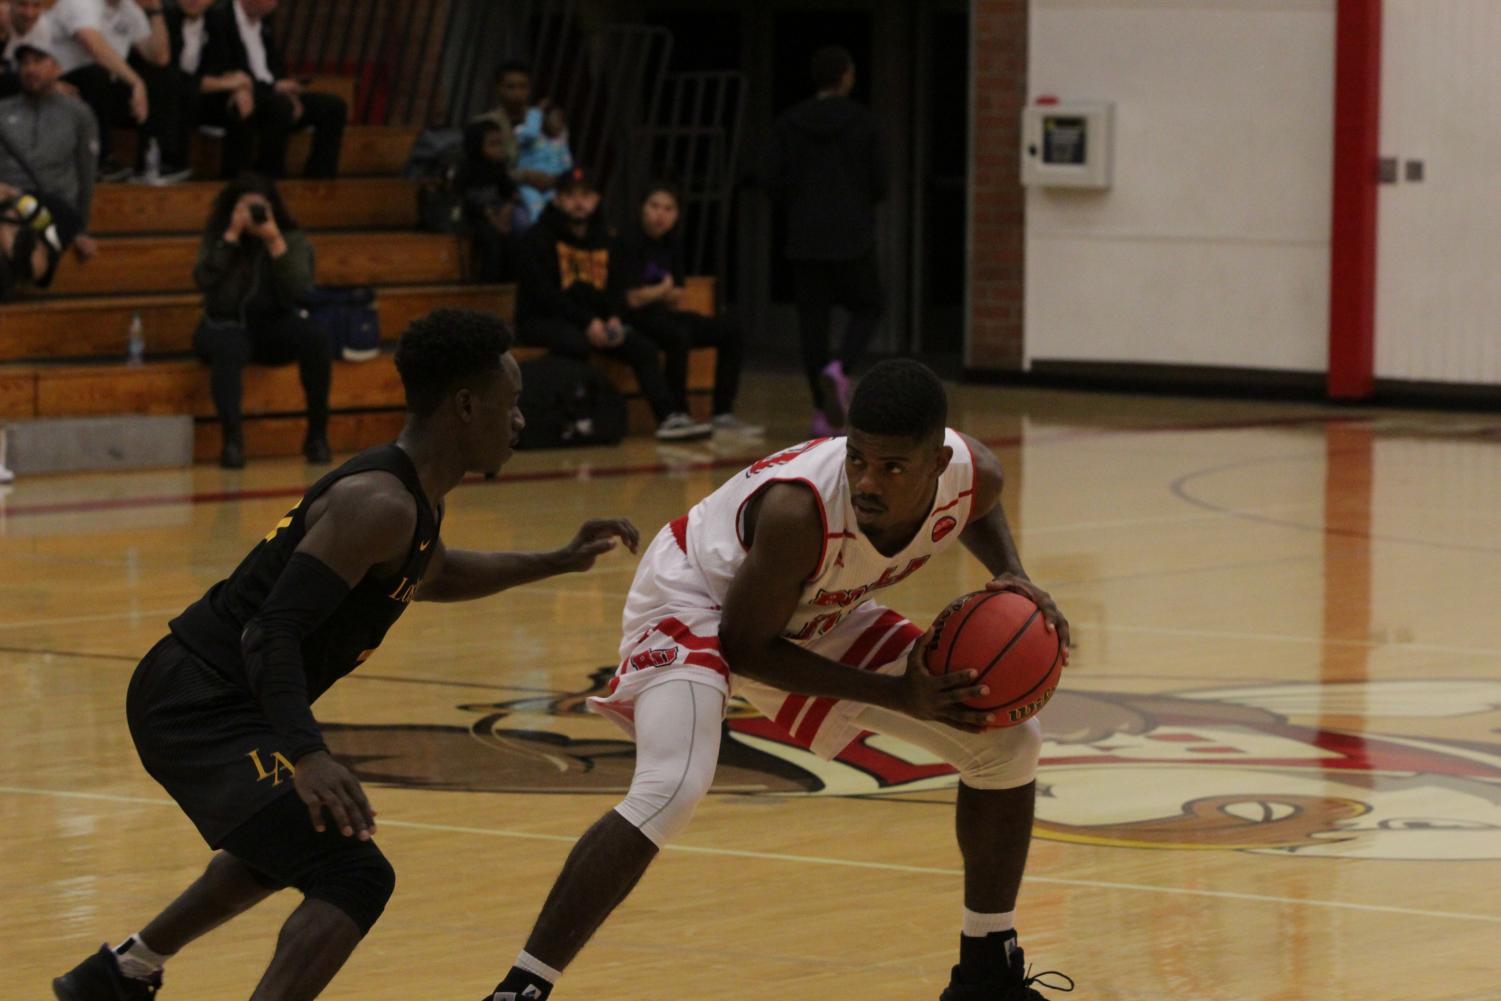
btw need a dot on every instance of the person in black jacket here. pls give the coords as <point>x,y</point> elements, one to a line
<point>827,164</point>
<point>253,267</point>
<point>569,298</point>
<point>205,99</point>
<point>274,105</point>
<point>649,259</point>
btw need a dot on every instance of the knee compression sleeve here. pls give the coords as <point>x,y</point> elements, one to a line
<point>281,845</point>
<point>677,748</point>
<point>995,759</point>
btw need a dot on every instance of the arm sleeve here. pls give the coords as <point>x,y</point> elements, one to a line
<point>294,269</point>
<point>305,594</point>
<point>214,259</point>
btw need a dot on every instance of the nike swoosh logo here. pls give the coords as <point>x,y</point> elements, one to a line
<point>422,546</point>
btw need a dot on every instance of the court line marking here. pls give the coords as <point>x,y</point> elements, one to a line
<point>100,617</point>
<point>1218,634</point>
<point>709,463</point>
<point>1094,884</point>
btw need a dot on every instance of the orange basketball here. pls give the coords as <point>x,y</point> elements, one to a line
<point>1001,636</point>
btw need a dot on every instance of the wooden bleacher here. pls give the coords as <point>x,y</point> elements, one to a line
<point>61,352</point>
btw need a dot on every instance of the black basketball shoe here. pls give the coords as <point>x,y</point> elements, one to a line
<point>98,978</point>
<point>1012,984</point>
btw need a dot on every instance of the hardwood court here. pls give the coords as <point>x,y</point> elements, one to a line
<point>1273,771</point>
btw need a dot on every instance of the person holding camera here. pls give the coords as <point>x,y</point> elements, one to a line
<point>254,267</point>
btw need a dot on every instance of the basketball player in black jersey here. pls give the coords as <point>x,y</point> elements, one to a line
<point>220,708</point>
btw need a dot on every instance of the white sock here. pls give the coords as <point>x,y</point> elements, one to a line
<point>977,925</point>
<point>137,959</point>
<point>531,964</point>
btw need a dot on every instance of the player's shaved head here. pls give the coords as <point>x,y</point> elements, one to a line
<point>900,398</point>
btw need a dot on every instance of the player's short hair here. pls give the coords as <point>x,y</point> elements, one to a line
<point>902,398</point>
<point>444,349</point>
<point>829,65</point>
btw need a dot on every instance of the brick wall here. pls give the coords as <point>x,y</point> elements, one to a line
<point>998,48</point>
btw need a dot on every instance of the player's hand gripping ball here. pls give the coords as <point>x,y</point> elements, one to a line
<point>1001,636</point>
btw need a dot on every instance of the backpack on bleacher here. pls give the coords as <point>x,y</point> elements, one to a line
<point>568,403</point>
<point>434,164</point>
<point>348,317</point>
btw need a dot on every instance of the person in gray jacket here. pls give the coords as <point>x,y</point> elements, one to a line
<point>254,267</point>
<point>47,149</point>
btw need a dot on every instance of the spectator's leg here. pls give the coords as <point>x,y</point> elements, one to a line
<point>195,112</point>
<point>670,332</point>
<point>290,337</point>
<point>326,114</point>
<point>556,335</point>
<point>96,89</point>
<point>273,124</point>
<point>226,348</point>
<point>814,294</point>
<point>164,120</point>
<point>640,354</point>
<point>238,151</point>
<point>858,285</point>
<point>495,254</point>
<point>727,337</point>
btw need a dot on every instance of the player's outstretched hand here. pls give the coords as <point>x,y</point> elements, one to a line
<point>1051,617</point>
<point>940,697</point>
<point>596,537</point>
<point>324,784</point>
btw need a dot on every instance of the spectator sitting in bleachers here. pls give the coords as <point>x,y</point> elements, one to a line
<point>650,260</point>
<point>115,52</point>
<point>253,267</point>
<point>541,151</point>
<point>525,122</point>
<point>205,99</point>
<point>490,200</point>
<point>568,298</point>
<point>275,105</point>
<point>46,173</point>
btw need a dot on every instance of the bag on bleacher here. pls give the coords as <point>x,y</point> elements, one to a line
<point>569,403</point>
<point>348,317</point>
<point>434,163</point>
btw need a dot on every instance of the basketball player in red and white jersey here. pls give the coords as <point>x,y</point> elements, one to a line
<point>766,589</point>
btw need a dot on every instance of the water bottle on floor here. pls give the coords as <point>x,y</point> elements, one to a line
<point>135,341</point>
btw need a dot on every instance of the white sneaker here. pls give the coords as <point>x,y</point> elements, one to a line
<point>6,476</point>
<point>730,424</point>
<point>681,427</point>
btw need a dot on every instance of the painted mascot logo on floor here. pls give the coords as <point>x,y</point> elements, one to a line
<point>1222,769</point>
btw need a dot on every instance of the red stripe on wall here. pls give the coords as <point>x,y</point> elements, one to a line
<point>1352,238</point>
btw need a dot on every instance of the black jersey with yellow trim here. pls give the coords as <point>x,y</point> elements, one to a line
<point>211,627</point>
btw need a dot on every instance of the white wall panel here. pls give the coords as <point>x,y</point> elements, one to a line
<point>1212,246</point>
<point>1438,299</point>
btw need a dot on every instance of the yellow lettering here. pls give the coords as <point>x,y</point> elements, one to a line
<point>283,523</point>
<point>278,762</point>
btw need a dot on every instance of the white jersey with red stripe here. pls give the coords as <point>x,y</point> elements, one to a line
<point>849,568</point>
<point>670,626</point>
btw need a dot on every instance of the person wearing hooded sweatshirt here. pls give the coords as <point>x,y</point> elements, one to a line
<point>569,298</point>
<point>827,165</point>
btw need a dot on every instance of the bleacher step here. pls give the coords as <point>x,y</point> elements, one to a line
<point>165,263</point>
<point>96,327</point>
<point>347,203</point>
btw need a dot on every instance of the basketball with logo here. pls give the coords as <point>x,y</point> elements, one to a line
<point>1001,636</point>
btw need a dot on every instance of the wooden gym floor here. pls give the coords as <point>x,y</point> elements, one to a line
<point>1274,771</point>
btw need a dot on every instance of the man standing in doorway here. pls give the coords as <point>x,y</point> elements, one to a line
<point>827,165</point>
